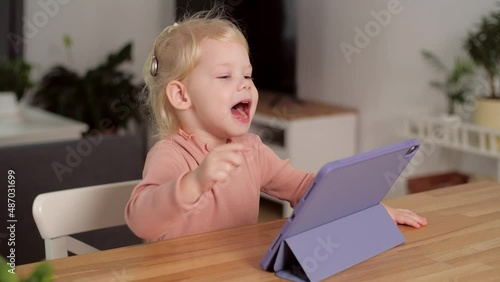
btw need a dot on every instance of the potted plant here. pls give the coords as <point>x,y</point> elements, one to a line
<point>456,83</point>
<point>14,81</point>
<point>483,46</point>
<point>15,76</point>
<point>104,97</point>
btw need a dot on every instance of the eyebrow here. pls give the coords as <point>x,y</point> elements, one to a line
<point>229,65</point>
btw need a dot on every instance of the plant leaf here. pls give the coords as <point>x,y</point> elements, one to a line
<point>434,61</point>
<point>437,84</point>
<point>483,45</point>
<point>5,275</point>
<point>462,69</point>
<point>68,41</point>
<point>42,273</point>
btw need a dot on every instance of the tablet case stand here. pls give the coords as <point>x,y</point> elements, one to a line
<point>330,248</point>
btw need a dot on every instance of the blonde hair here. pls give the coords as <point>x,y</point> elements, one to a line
<point>177,50</point>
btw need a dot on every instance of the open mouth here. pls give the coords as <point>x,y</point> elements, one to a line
<point>241,111</point>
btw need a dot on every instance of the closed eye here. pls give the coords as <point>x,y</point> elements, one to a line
<point>248,77</point>
<point>224,77</point>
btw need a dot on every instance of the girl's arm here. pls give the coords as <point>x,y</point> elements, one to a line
<point>159,201</point>
<point>173,191</point>
<point>278,177</point>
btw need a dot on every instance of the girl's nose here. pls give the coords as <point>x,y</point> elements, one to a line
<point>245,83</point>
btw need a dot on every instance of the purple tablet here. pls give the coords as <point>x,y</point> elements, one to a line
<point>342,188</point>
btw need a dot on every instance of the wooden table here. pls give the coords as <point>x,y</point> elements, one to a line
<point>461,243</point>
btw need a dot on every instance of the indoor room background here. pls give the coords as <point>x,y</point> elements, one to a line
<point>385,78</point>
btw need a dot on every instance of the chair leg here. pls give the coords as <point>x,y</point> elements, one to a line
<point>78,247</point>
<point>55,248</point>
<point>286,209</point>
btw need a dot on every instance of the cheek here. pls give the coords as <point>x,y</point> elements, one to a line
<point>201,97</point>
<point>212,103</point>
<point>255,98</point>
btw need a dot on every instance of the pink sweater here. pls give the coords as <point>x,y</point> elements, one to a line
<point>155,212</point>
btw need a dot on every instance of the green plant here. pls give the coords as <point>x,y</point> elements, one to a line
<point>15,76</point>
<point>456,84</point>
<point>105,97</point>
<point>483,46</point>
<point>42,273</point>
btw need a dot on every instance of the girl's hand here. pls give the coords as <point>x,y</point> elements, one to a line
<point>218,165</point>
<point>406,217</point>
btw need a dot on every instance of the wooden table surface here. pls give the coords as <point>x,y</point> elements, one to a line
<point>461,243</point>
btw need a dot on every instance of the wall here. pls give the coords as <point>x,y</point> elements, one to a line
<point>97,28</point>
<point>385,77</point>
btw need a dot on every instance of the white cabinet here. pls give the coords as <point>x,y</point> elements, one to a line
<point>309,134</point>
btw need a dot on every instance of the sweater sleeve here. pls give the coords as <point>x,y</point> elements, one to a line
<point>155,205</point>
<point>279,178</point>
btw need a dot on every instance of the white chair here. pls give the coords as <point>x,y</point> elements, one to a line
<point>67,212</point>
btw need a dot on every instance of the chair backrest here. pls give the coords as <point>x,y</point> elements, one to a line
<point>67,212</point>
<point>55,166</point>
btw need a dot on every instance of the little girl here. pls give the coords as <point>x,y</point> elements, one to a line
<point>206,172</point>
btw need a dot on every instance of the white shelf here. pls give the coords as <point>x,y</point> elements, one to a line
<point>455,135</point>
<point>35,125</point>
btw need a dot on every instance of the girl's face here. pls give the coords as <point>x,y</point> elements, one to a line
<point>221,89</point>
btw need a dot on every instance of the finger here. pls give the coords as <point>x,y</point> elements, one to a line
<point>229,167</point>
<point>410,222</point>
<point>414,223</point>
<point>419,219</point>
<point>422,221</point>
<point>222,176</point>
<point>233,158</point>
<point>409,213</point>
<point>415,220</point>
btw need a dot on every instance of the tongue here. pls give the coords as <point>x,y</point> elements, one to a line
<point>238,111</point>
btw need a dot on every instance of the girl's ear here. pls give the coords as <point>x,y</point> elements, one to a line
<point>177,95</point>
